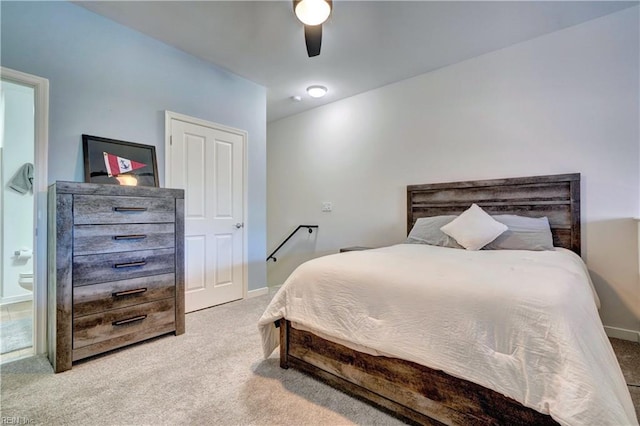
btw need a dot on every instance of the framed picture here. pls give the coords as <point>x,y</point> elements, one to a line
<point>118,162</point>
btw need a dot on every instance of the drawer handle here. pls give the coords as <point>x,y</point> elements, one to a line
<point>129,292</point>
<point>129,320</point>
<point>130,209</point>
<point>130,264</point>
<point>129,237</point>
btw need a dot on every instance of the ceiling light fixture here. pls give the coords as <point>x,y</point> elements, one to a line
<point>312,12</point>
<point>316,91</point>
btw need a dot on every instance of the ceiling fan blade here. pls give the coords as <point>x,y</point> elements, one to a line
<point>313,39</point>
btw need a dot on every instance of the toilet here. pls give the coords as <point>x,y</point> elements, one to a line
<point>26,280</point>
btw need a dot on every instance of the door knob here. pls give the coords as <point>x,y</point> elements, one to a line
<point>239,225</point>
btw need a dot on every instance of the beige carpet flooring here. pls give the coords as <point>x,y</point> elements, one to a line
<point>214,374</point>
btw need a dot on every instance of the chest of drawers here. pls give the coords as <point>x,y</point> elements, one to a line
<point>116,267</point>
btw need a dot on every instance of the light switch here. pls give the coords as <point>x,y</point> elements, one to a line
<point>327,206</point>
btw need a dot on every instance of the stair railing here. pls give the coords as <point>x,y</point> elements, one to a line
<point>309,227</point>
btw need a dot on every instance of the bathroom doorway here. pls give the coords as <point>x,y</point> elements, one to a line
<point>23,143</point>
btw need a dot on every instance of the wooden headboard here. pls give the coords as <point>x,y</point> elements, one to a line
<point>554,196</point>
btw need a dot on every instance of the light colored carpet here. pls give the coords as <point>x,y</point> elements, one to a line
<point>628,354</point>
<point>15,334</point>
<point>212,375</point>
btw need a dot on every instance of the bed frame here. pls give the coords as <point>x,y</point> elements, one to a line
<point>412,392</point>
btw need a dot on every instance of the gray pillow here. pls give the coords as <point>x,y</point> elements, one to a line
<point>426,230</point>
<point>524,233</point>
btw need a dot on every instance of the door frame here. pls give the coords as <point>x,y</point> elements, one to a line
<point>168,116</point>
<point>40,177</point>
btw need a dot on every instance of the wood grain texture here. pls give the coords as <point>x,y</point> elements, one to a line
<point>124,340</point>
<point>96,298</point>
<point>393,408</point>
<point>95,239</point>
<point>117,271</point>
<point>92,329</point>
<point>99,209</point>
<point>412,391</point>
<point>80,188</point>
<point>52,270</point>
<point>179,267</point>
<point>60,335</point>
<point>97,268</point>
<point>284,343</point>
<point>555,196</point>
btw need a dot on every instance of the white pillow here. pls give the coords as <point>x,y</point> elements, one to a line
<point>474,228</point>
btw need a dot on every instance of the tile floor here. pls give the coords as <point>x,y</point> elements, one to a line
<point>16,311</point>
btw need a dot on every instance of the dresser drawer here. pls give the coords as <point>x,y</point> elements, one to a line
<point>92,329</point>
<point>93,239</point>
<point>99,268</point>
<point>96,298</point>
<point>116,268</point>
<point>101,209</point>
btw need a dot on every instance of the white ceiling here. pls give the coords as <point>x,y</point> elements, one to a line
<point>366,44</point>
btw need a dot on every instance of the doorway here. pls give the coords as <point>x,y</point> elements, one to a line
<point>207,160</point>
<point>23,177</point>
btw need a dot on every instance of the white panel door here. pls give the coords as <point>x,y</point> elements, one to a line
<point>208,163</point>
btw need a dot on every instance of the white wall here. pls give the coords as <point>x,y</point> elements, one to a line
<point>17,143</point>
<point>111,81</point>
<point>562,103</point>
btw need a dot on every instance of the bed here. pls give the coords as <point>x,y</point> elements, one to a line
<point>463,355</point>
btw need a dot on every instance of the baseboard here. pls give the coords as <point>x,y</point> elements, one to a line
<point>274,289</point>
<point>16,299</point>
<point>257,292</point>
<point>622,333</point>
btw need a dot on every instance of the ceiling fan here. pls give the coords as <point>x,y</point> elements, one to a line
<point>312,13</point>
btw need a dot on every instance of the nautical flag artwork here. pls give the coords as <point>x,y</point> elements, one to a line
<point>118,165</point>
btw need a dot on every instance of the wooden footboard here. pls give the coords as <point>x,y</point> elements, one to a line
<point>407,390</point>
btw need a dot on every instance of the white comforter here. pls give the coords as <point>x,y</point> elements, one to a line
<point>522,323</point>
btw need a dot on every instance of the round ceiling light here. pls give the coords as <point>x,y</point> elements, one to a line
<point>316,91</point>
<point>312,12</point>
